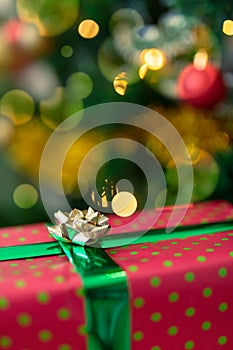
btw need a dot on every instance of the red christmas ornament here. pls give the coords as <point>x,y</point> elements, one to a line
<point>202,88</point>
<point>13,30</point>
<point>23,44</point>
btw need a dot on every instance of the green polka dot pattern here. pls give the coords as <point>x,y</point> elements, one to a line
<point>45,335</point>
<point>43,298</point>
<point>64,347</point>
<point>206,325</point>
<point>82,329</point>
<point>24,320</point>
<point>175,286</point>
<point>222,340</point>
<point>138,336</point>
<point>156,317</point>
<point>4,303</point>
<point>189,276</point>
<point>190,312</point>
<point>155,281</point>
<point>63,313</point>
<point>132,268</point>
<point>173,297</point>
<point>168,263</point>
<point>207,292</point>
<point>201,258</point>
<point>139,302</point>
<point>222,272</point>
<point>223,307</point>
<point>5,342</point>
<point>173,330</point>
<point>189,345</point>
<point>33,304</point>
<point>181,291</point>
<point>34,233</point>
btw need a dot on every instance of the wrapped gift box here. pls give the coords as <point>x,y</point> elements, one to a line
<point>167,291</point>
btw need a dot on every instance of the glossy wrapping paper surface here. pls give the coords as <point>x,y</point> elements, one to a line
<point>175,293</point>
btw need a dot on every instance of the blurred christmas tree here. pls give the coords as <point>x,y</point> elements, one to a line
<point>60,57</point>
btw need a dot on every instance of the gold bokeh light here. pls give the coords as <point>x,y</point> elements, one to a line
<point>88,29</point>
<point>124,204</point>
<point>142,71</point>
<point>200,59</point>
<point>227,27</point>
<point>120,83</point>
<point>154,58</point>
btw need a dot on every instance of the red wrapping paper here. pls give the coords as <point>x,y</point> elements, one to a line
<point>195,214</point>
<point>41,299</point>
<point>181,294</point>
<point>181,290</point>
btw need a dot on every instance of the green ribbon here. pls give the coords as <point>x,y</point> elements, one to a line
<point>107,304</point>
<point>155,235</point>
<point>105,284</point>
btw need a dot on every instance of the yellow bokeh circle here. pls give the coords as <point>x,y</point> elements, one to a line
<point>227,27</point>
<point>153,58</point>
<point>88,29</point>
<point>124,204</point>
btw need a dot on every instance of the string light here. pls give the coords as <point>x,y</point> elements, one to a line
<point>227,27</point>
<point>200,59</point>
<point>142,71</point>
<point>120,83</point>
<point>124,204</point>
<point>88,29</point>
<point>154,58</point>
